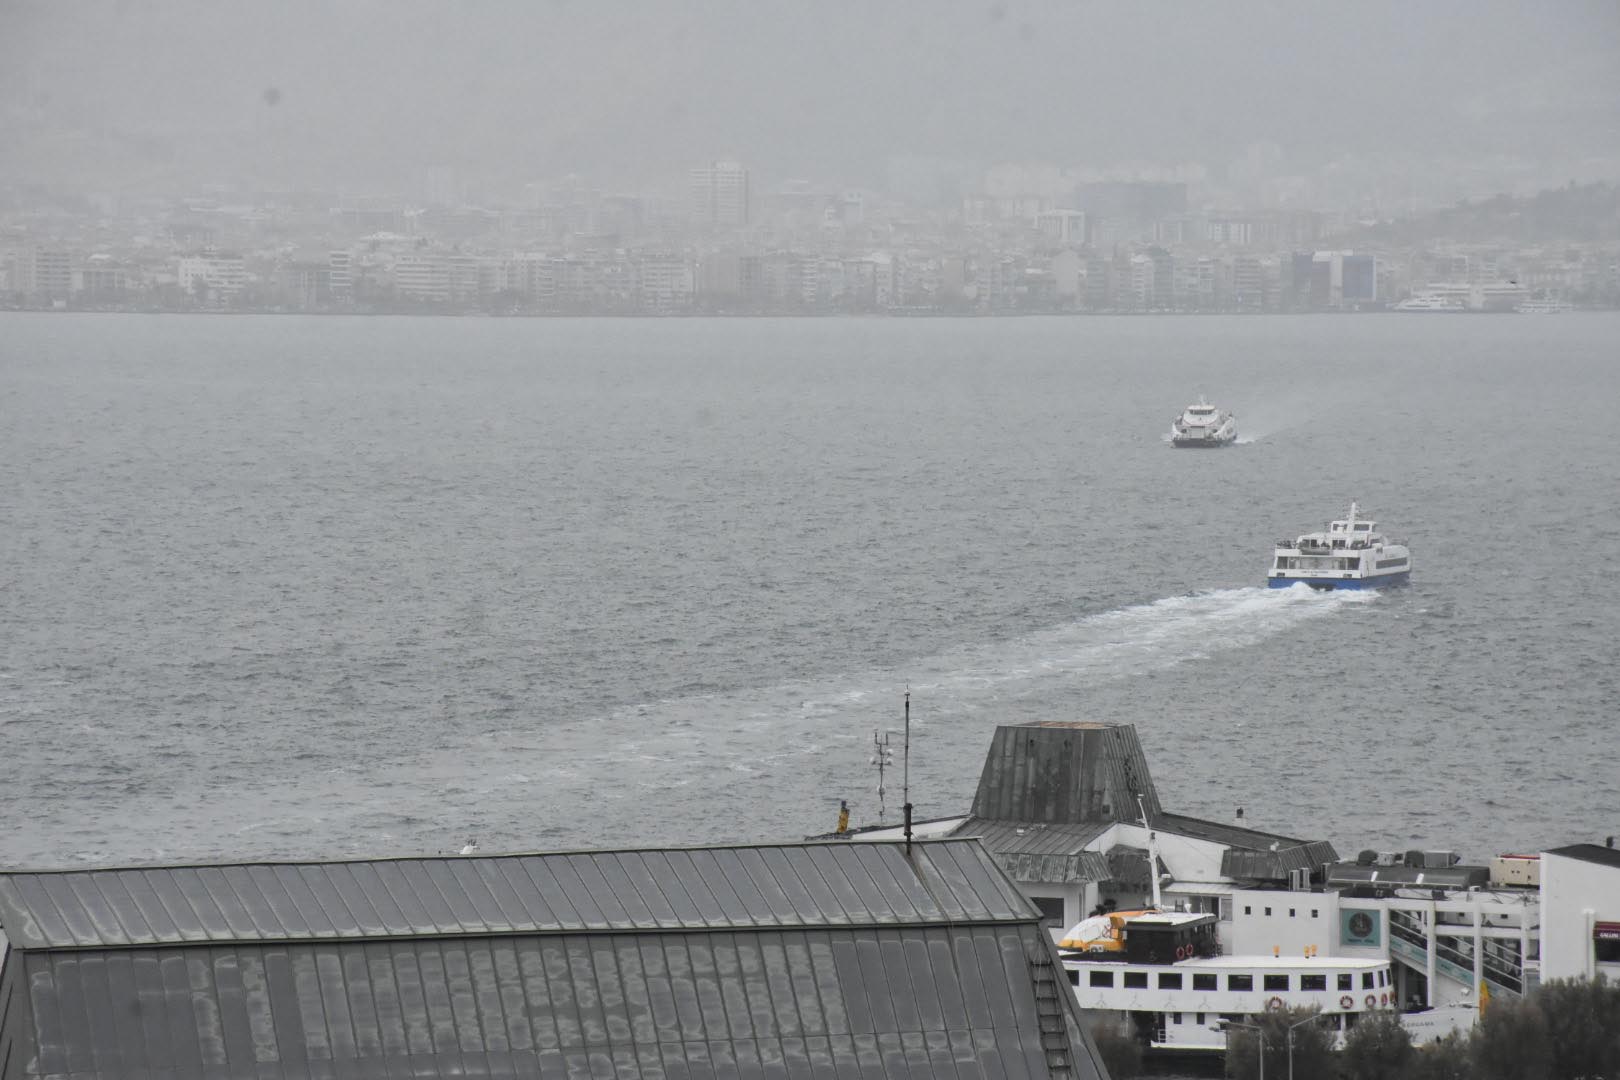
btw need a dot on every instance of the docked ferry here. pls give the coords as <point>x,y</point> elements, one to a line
<point>1203,426</point>
<point>1163,974</point>
<point>1351,554</point>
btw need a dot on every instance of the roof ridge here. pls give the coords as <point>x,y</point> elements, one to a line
<point>829,841</point>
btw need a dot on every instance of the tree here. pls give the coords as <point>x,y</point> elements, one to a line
<point>1512,1042</point>
<point>1377,1048</point>
<point>1312,1054</point>
<point>1445,1059</point>
<point>1582,1021</point>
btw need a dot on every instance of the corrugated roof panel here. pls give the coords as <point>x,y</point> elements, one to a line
<point>836,883</point>
<point>806,892</point>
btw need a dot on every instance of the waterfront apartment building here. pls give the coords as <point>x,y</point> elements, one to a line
<point>216,274</point>
<point>719,195</point>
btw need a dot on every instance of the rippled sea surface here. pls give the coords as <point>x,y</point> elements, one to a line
<point>294,587</point>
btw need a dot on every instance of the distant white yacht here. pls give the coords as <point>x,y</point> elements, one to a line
<point>1431,303</point>
<point>1203,426</point>
<point>1351,554</point>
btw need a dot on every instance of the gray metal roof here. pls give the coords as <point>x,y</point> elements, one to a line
<point>1221,833</point>
<point>1035,851</point>
<point>764,887</point>
<point>1065,772</point>
<point>830,960</point>
<point>1275,865</point>
<point>1592,853</point>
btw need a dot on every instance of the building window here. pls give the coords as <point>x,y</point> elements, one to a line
<point>1169,980</point>
<point>1240,982</point>
<point>1606,950</point>
<point>1136,980</point>
<point>1347,981</point>
<point>1204,980</point>
<point>1102,978</point>
<point>1276,982</point>
<point>1313,982</point>
<point>1051,911</point>
<point>1366,980</point>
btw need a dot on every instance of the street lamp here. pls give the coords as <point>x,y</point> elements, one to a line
<point>1291,1027</point>
<point>1260,1033</point>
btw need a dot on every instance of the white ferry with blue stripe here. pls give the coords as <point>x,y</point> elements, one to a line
<point>1351,554</point>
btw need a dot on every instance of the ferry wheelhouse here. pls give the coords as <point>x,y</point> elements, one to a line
<point>1351,554</point>
<point>1203,426</point>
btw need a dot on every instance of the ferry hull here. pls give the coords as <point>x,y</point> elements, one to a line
<point>1380,581</point>
<point>1201,444</point>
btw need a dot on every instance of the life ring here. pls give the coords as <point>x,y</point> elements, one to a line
<point>1372,1001</point>
<point>1182,951</point>
<point>1274,1004</point>
<point>1383,999</point>
<point>1347,1002</point>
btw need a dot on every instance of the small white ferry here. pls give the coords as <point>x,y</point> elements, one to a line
<point>1203,426</point>
<point>1351,554</point>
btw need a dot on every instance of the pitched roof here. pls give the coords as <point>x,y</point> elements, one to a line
<point>1035,851</point>
<point>1070,773</point>
<point>751,962</point>
<point>777,887</point>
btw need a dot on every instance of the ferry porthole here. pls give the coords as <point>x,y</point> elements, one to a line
<point>1347,1002</point>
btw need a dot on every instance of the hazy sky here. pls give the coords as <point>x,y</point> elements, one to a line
<point>829,89</point>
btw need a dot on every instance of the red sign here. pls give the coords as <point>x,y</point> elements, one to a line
<point>1606,931</point>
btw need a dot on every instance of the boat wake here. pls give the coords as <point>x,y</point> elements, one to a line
<point>741,764</point>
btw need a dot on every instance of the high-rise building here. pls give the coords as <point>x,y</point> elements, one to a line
<point>720,194</point>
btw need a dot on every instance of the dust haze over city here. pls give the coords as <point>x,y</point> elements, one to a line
<point>1429,102</point>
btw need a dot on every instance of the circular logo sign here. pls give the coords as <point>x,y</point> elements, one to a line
<point>1361,924</point>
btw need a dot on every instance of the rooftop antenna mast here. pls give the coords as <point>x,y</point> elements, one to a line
<point>905,769</point>
<point>883,758</point>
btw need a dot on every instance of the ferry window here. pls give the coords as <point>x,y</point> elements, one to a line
<point>1313,982</point>
<point>1276,982</point>
<point>1347,981</point>
<point>1366,980</point>
<point>1290,913</point>
<point>1074,977</point>
<point>1102,978</point>
<point>1383,978</point>
<point>1240,982</point>
<point>1314,913</point>
<point>1247,910</point>
<point>1268,913</point>
<point>1198,1018</point>
<point>1204,981</point>
<point>1175,1018</point>
<point>1169,980</point>
<point>1136,980</point>
<point>1605,950</point>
